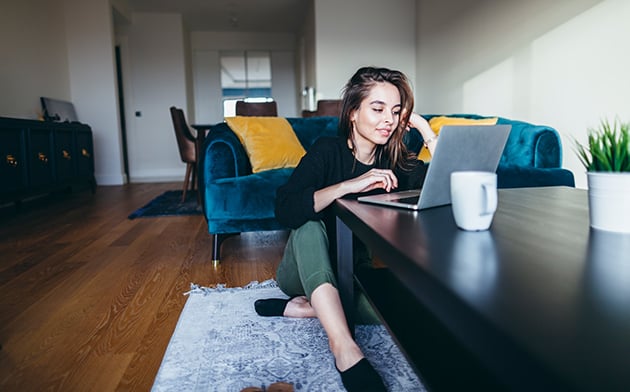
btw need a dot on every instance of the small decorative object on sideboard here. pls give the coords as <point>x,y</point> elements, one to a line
<point>606,158</point>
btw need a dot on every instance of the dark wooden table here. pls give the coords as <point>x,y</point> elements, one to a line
<point>538,302</point>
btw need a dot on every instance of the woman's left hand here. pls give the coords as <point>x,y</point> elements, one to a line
<point>418,122</point>
<point>422,125</point>
<point>373,179</point>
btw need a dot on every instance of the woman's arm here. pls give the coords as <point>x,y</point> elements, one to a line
<point>318,181</point>
<point>373,179</point>
<point>429,137</point>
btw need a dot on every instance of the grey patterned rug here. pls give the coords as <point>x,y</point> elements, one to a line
<point>221,344</point>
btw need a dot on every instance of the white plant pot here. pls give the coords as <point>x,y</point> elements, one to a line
<point>609,201</point>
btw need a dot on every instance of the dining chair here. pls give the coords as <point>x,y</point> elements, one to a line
<point>187,148</point>
<point>329,107</point>
<point>265,109</point>
<point>325,107</point>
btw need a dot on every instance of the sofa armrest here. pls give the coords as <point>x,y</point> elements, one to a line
<point>530,145</point>
<point>520,177</point>
<point>223,155</point>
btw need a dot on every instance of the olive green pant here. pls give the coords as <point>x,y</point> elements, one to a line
<point>306,265</point>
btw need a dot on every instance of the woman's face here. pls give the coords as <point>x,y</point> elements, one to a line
<point>377,118</point>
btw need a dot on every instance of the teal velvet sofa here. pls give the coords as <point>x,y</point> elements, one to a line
<point>237,200</point>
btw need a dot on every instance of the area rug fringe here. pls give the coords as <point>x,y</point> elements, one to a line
<point>196,289</point>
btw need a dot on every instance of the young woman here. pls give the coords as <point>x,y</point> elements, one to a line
<point>369,156</point>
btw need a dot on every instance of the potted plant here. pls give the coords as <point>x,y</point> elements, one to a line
<point>606,157</point>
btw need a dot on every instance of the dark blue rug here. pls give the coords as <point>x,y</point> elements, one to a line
<point>169,203</point>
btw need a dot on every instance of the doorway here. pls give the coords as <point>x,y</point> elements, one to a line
<point>121,110</point>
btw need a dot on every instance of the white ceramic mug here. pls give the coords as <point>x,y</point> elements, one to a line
<point>474,199</point>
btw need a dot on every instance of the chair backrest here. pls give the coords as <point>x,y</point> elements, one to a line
<point>265,109</point>
<point>325,107</point>
<point>329,107</point>
<point>185,139</point>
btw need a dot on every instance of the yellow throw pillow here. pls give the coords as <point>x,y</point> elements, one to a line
<point>270,142</point>
<point>438,122</point>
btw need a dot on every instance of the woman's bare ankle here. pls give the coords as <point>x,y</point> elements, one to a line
<point>347,355</point>
<point>299,307</point>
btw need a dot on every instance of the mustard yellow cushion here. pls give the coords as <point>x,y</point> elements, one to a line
<point>438,122</point>
<point>270,142</point>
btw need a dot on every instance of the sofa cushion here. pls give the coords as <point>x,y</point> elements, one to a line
<point>270,142</point>
<point>438,122</point>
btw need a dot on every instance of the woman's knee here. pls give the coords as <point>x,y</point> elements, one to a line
<point>310,231</point>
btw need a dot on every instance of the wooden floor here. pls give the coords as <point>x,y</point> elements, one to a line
<point>89,299</point>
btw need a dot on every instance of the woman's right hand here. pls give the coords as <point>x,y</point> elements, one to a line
<point>373,179</point>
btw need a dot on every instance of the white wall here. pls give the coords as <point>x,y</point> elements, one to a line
<point>34,59</point>
<point>158,81</point>
<point>63,49</point>
<point>563,63</point>
<point>353,33</point>
<point>206,47</point>
<point>306,57</point>
<point>91,66</point>
<point>207,87</point>
<point>284,87</point>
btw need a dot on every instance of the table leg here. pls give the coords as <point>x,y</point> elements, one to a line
<point>345,271</point>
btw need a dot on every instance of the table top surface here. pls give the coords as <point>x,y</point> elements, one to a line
<point>540,281</point>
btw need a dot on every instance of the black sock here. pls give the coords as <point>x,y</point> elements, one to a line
<point>271,307</point>
<point>362,377</point>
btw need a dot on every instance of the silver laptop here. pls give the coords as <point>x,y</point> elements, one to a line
<point>468,147</point>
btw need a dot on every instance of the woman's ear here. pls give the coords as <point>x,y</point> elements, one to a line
<point>353,116</point>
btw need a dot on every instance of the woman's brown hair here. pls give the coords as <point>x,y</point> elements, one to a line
<point>394,153</point>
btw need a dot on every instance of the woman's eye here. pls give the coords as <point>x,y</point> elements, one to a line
<point>378,110</point>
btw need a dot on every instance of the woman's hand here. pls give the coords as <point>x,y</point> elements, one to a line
<point>418,122</point>
<point>422,125</point>
<point>373,179</point>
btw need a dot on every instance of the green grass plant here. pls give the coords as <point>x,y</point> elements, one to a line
<point>608,148</point>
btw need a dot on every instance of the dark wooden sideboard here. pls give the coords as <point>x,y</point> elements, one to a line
<point>38,157</point>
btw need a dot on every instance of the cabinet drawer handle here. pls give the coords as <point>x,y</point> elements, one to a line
<point>85,153</point>
<point>66,155</point>
<point>11,161</point>
<point>42,157</point>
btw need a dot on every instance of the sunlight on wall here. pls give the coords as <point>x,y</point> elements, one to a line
<point>585,81</point>
<point>491,93</point>
<point>568,72</point>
